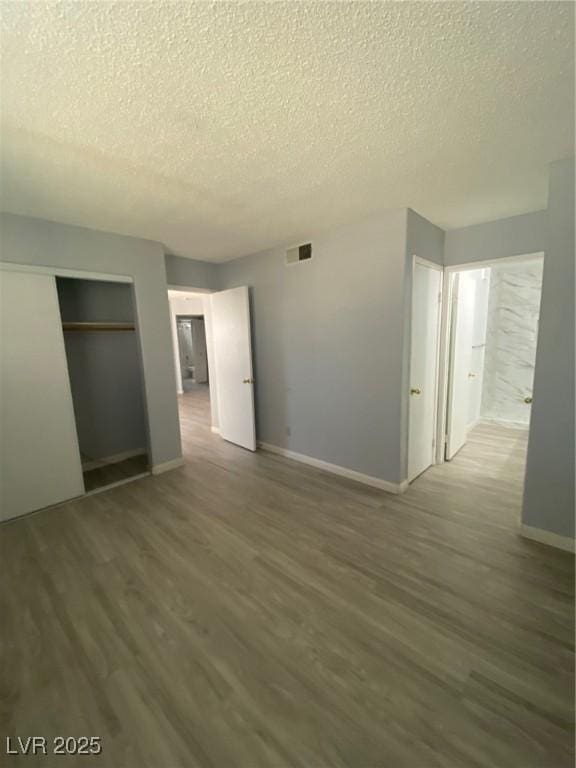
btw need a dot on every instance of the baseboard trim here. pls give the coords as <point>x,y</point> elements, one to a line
<point>166,466</point>
<point>114,459</point>
<point>216,430</point>
<point>547,537</point>
<point>336,469</point>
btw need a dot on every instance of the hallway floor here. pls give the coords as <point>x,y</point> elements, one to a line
<point>246,611</point>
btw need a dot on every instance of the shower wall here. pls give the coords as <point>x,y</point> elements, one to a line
<point>512,330</point>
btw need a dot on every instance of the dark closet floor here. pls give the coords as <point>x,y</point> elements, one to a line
<point>113,473</point>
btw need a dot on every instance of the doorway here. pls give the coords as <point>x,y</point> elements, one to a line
<point>480,358</point>
<point>212,344</point>
<point>191,332</point>
<point>492,334</point>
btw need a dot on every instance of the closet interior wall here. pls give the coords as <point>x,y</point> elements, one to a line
<point>104,367</point>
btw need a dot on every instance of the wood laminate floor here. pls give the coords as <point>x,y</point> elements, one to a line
<point>248,611</point>
<point>107,474</point>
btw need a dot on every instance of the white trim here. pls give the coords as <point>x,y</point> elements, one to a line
<point>547,537</point>
<point>166,466</point>
<point>190,289</point>
<point>114,459</point>
<point>468,266</point>
<point>11,266</point>
<point>426,263</point>
<point>335,469</point>
<point>429,265</point>
<point>214,429</point>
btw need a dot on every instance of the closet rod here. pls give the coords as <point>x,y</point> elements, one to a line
<point>98,326</point>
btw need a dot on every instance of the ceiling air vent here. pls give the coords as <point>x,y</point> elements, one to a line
<point>299,253</point>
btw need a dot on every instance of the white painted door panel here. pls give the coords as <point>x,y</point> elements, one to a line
<point>233,356</point>
<point>461,339</point>
<point>39,456</point>
<point>426,287</point>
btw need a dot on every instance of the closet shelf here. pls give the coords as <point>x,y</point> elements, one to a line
<point>98,326</point>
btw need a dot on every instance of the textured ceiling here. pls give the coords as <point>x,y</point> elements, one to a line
<point>220,129</point>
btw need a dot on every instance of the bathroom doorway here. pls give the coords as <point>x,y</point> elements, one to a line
<point>192,350</point>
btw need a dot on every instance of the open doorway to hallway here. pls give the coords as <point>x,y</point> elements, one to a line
<point>212,344</point>
<point>491,337</point>
<point>193,358</point>
<point>474,369</point>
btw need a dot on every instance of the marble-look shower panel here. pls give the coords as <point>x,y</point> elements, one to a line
<point>512,331</point>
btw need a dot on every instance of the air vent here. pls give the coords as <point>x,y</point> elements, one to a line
<point>299,253</point>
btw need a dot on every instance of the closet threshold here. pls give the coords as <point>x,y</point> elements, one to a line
<point>98,326</point>
<point>115,484</point>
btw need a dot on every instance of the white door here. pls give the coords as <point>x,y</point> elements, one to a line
<point>425,331</point>
<point>39,456</point>
<point>233,357</point>
<point>459,378</point>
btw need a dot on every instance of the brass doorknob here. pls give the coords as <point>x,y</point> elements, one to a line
<point>415,391</point>
<point>528,400</point>
<point>247,381</point>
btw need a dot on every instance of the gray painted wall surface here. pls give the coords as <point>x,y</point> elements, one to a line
<point>549,490</point>
<point>26,240</point>
<point>191,273</point>
<point>515,236</point>
<point>104,369</point>
<point>328,345</point>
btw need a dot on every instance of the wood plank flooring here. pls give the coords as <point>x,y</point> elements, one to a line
<point>114,473</point>
<point>248,611</point>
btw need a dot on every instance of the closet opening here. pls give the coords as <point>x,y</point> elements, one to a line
<point>105,371</point>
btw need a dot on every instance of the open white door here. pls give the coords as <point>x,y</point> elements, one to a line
<point>461,338</point>
<point>39,455</point>
<point>233,357</point>
<point>425,337</point>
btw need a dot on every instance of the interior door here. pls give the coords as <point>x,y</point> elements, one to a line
<point>461,340</point>
<point>39,456</point>
<point>233,357</point>
<point>425,329</point>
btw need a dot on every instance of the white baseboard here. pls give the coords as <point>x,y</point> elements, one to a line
<point>114,459</point>
<point>166,466</point>
<point>547,537</point>
<point>216,430</point>
<point>335,469</point>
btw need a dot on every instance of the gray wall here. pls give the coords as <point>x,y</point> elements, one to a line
<point>104,369</point>
<point>515,236</point>
<point>26,240</point>
<point>549,490</point>
<point>328,345</point>
<point>191,273</point>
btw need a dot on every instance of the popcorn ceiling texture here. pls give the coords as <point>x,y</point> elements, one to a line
<point>221,129</point>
